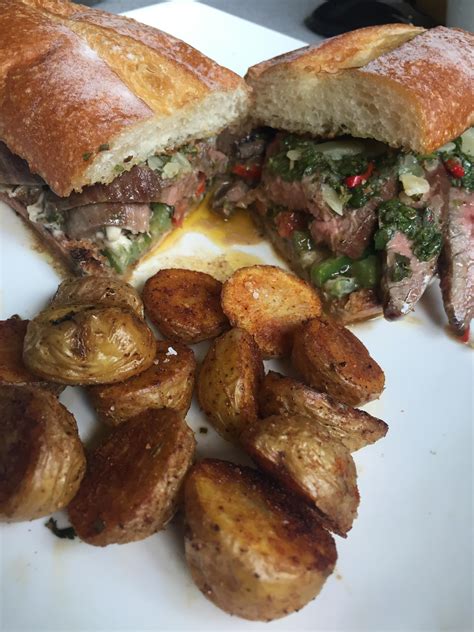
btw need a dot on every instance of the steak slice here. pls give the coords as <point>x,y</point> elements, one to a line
<point>456,267</point>
<point>400,297</point>
<point>84,221</point>
<point>15,170</point>
<point>351,233</point>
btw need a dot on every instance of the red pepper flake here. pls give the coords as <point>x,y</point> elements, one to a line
<point>201,187</point>
<point>455,168</point>
<point>287,222</point>
<point>355,181</point>
<point>249,172</point>
<point>465,337</point>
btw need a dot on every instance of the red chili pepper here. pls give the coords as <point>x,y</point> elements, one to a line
<point>178,215</point>
<point>355,181</point>
<point>201,187</point>
<point>455,168</point>
<point>249,172</point>
<point>465,336</point>
<point>287,222</point>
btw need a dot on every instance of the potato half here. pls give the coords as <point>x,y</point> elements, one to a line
<point>280,395</point>
<point>88,344</point>
<point>251,550</point>
<point>228,383</point>
<point>98,290</point>
<point>132,483</point>
<point>42,459</point>
<point>185,305</point>
<point>269,303</point>
<point>168,383</point>
<point>331,359</point>
<point>12,367</point>
<point>301,454</point>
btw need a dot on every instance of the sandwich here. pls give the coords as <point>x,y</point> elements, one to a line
<point>107,129</point>
<point>358,162</point>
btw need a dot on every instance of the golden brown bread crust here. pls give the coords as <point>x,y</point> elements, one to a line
<point>66,69</point>
<point>350,50</point>
<point>437,71</point>
<point>432,71</point>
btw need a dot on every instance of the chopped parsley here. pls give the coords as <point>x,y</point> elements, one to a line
<point>65,533</point>
<point>86,156</point>
<point>104,147</point>
<point>418,225</point>
<point>401,268</point>
<point>466,163</point>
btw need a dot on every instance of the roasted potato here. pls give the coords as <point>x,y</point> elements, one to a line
<point>269,303</point>
<point>228,383</point>
<point>98,290</point>
<point>301,454</point>
<point>331,359</point>
<point>42,459</point>
<point>133,479</point>
<point>355,428</point>
<point>185,305</point>
<point>12,367</point>
<point>168,383</point>
<point>88,344</point>
<point>251,549</point>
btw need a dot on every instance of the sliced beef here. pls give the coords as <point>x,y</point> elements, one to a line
<point>457,260</point>
<point>351,233</point>
<point>181,189</point>
<point>207,159</point>
<point>230,193</point>
<point>138,186</point>
<point>400,297</point>
<point>297,195</point>
<point>15,170</point>
<point>85,221</point>
<point>82,257</point>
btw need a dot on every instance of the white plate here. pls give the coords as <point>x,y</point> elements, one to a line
<point>407,563</point>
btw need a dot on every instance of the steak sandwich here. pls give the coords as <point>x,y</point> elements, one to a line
<point>107,129</point>
<point>359,165</point>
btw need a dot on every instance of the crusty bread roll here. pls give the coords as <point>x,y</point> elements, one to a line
<point>85,94</point>
<point>399,84</point>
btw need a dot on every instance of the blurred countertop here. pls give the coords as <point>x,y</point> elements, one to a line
<point>285,16</point>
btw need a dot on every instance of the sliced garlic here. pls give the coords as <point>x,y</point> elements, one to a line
<point>414,185</point>
<point>467,142</point>
<point>113,233</point>
<point>332,199</point>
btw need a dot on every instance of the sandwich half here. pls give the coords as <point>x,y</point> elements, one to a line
<point>359,165</point>
<point>107,129</point>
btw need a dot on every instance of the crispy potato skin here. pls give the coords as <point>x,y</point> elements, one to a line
<point>168,383</point>
<point>228,383</point>
<point>12,367</point>
<point>185,305</point>
<point>42,460</point>
<point>304,458</point>
<point>133,479</point>
<point>331,359</point>
<point>88,344</point>
<point>100,290</point>
<point>251,550</point>
<point>269,303</point>
<point>280,395</point>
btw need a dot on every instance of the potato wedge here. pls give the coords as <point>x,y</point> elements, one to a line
<point>331,359</point>
<point>88,344</point>
<point>251,549</point>
<point>98,290</point>
<point>185,305</point>
<point>269,303</point>
<point>168,383</point>
<point>133,479</point>
<point>280,395</point>
<point>301,454</point>
<point>12,367</point>
<point>42,460</point>
<point>228,383</point>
